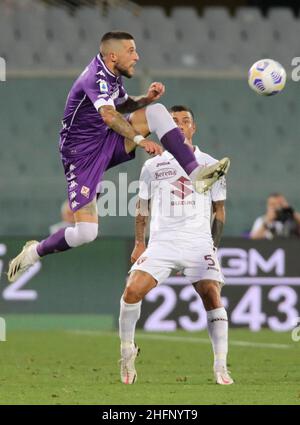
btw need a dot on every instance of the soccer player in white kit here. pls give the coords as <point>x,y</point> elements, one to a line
<point>182,239</point>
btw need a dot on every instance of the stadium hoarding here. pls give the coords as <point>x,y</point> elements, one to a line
<point>262,285</point>
<point>262,289</point>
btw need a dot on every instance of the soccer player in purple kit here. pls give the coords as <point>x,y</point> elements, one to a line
<point>96,136</point>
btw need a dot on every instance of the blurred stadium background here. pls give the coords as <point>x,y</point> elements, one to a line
<point>201,50</point>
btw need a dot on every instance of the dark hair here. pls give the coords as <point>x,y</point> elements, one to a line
<point>116,35</point>
<point>275,195</point>
<point>180,108</point>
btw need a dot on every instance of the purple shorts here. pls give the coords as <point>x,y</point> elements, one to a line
<point>84,172</point>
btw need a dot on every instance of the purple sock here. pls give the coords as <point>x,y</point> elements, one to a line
<point>173,141</point>
<point>54,243</point>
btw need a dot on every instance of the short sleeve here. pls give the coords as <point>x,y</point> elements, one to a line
<point>218,190</point>
<point>97,89</point>
<point>145,184</point>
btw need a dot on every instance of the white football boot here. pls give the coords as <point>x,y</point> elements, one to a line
<point>207,176</point>
<point>128,372</point>
<point>222,376</point>
<point>23,261</point>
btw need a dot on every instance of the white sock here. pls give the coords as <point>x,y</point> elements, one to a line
<point>129,315</point>
<point>81,233</point>
<point>217,324</point>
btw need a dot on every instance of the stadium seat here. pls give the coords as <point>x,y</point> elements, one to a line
<point>152,58</point>
<point>280,16</point>
<point>187,23</point>
<point>221,32</point>
<point>285,31</point>
<point>252,40</point>
<point>91,25</point>
<point>157,26</point>
<point>29,22</point>
<point>126,20</point>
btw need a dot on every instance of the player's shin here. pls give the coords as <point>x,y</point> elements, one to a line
<point>217,324</point>
<point>54,243</point>
<point>129,315</point>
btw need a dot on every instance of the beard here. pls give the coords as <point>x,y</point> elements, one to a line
<point>124,72</point>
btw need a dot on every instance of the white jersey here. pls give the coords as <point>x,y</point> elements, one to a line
<point>177,210</point>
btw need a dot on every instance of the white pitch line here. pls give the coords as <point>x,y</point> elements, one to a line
<point>189,339</point>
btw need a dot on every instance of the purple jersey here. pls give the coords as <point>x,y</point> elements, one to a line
<point>88,146</point>
<point>83,128</point>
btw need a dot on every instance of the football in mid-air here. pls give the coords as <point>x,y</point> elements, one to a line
<point>267,77</point>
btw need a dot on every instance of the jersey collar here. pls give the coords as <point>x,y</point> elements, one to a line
<point>112,76</point>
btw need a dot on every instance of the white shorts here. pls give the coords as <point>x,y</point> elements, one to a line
<point>196,259</point>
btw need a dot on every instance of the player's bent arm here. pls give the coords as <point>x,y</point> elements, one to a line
<point>141,220</point>
<point>133,103</point>
<point>120,125</point>
<point>117,122</point>
<point>218,222</point>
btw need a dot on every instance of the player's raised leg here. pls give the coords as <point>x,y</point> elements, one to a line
<point>156,118</point>
<point>217,324</point>
<point>138,285</point>
<point>84,231</point>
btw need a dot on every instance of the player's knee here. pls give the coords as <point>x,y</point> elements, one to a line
<point>156,110</point>
<point>81,233</point>
<point>89,234</point>
<point>132,294</point>
<point>159,120</point>
<point>134,291</point>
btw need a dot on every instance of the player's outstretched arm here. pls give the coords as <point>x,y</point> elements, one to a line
<point>218,222</point>
<point>133,103</point>
<point>120,125</point>
<point>141,220</point>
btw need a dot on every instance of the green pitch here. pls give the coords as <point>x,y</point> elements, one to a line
<point>81,367</point>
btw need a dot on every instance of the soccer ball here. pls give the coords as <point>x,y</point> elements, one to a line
<point>267,77</point>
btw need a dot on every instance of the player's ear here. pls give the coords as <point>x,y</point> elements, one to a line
<point>113,57</point>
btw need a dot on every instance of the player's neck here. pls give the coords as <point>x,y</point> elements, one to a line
<point>111,68</point>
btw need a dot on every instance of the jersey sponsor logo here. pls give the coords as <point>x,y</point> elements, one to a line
<point>103,86</point>
<point>85,191</point>
<point>183,187</point>
<point>165,173</point>
<point>160,164</point>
